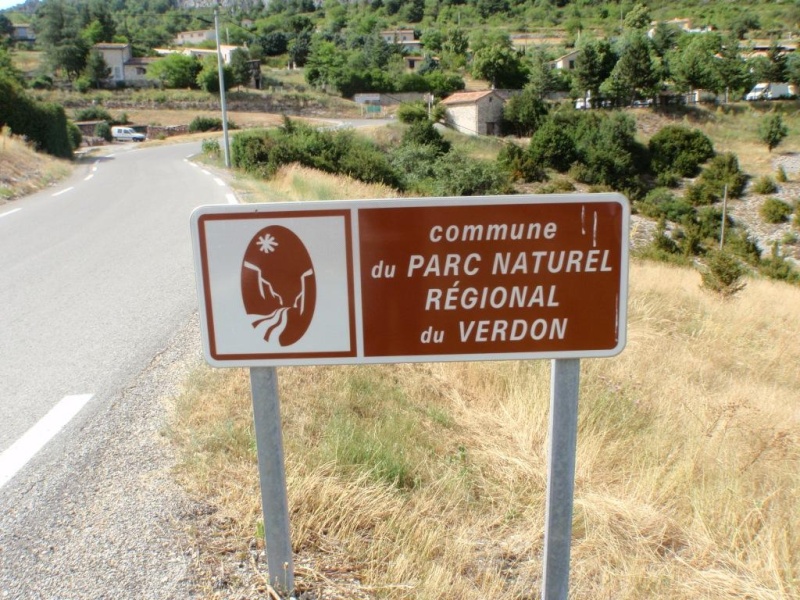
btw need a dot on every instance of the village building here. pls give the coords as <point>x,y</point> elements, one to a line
<point>475,113</point>
<point>125,69</point>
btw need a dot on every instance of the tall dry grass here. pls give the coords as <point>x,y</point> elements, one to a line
<point>23,170</point>
<point>428,480</point>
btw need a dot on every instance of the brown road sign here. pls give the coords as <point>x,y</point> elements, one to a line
<point>408,280</point>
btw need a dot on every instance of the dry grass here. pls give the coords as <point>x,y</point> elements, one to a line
<point>428,481</point>
<point>23,170</point>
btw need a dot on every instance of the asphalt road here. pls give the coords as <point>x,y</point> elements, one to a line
<point>96,279</point>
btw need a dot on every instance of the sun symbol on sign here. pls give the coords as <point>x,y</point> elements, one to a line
<point>267,243</point>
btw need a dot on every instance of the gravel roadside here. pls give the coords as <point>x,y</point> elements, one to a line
<point>109,521</point>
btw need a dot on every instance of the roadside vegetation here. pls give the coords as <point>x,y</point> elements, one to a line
<point>428,481</point>
<point>24,170</point>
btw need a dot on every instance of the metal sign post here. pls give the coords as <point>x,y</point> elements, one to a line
<point>563,435</point>
<point>272,475</point>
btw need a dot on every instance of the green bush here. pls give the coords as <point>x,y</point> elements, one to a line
<point>93,113</point>
<point>199,124</point>
<point>411,112</point>
<point>777,267</point>
<point>780,175</point>
<point>661,202</point>
<point>724,169</point>
<point>552,147</point>
<point>102,130</point>
<point>425,133</point>
<point>701,193</point>
<point>210,148</point>
<point>75,137</point>
<point>775,211</point>
<point>744,246</point>
<point>44,124</point>
<point>723,274</point>
<point>456,175</point>
<point>677,149</point>
<point>765,185</point>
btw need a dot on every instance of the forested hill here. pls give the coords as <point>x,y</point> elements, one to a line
<point>762,18</point>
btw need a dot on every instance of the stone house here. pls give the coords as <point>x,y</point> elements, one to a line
<point>125,68</point>
<point>475,113</point>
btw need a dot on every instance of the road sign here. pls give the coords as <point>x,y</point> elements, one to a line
<point>412,280</point>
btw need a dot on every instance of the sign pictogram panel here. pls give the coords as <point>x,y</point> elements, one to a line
<point>402,280</point>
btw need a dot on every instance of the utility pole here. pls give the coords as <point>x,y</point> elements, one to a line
<point>226,146</point>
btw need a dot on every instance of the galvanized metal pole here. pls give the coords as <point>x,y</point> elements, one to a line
<point>564,384</point>
<point>724,217</point>
<point>272,474</point>
<point>221,74</point>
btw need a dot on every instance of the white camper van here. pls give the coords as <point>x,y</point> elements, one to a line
<point>126,134</point>
<point>771,91</point>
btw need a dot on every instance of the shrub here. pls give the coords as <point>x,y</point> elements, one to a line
<point>424,133</point>
<point>93,113</point>
<point>765,185</point>
<point>199,124</point>
<point>777,267</point>
<point>723,274</point>
<point>211,148</point>
<point>411,112</point>
<point>75,137</point>
<point>679,150</point>
<point>744,246</point>
<point>44,124</point>
<point>668,179</point>
<point>701,193</point>
<point>775,211</point>
<point>102,130</point>
<point>660,202</point>
<point>724,169</point>
<point>42,82</point>
<point>552,147</point>
<point>780,176</point>
<point>456,175</point>
<point>518,165</point>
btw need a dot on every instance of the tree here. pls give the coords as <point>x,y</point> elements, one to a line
<point>524,113</point>
<point>677,149</point>
<point>175,71</point>
<point>58,31</point>
<point>208,77</point>
<point>636,73</point>
<point>240,67</point>
<point>593,65</point>
<point>501,66</point>
<point>6,29</point>
<point>97,71</point>
<point>638,18</point>
<point>694,66</point>
<point>772,130</point>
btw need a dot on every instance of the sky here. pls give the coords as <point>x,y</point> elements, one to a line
<point>9,3</point>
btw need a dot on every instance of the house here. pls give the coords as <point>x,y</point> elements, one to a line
<point>23,33</point>
<point>474,113</point>
<point>125,68</point>
<point>224,49</point>
<point>190,38</point>
<point>566,62</point>
<point>396,36</point>
<point>403,38</point>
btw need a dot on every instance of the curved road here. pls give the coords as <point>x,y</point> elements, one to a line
<point>96,278</point>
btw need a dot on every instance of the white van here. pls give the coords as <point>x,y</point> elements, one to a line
<point>126,134</point>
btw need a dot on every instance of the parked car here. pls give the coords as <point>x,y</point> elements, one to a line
<point>771,91</point>
<point>126,134</point>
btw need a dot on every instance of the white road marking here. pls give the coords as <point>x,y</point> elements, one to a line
<point>33,440</point>
<point>63,191</point>
<point>94,168</point>
<point>231,199</point>
<point>193,164</point>
<point>219,182</point>
<point>11,212</point>
<point>88,177</point>
<point>205,172</point>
